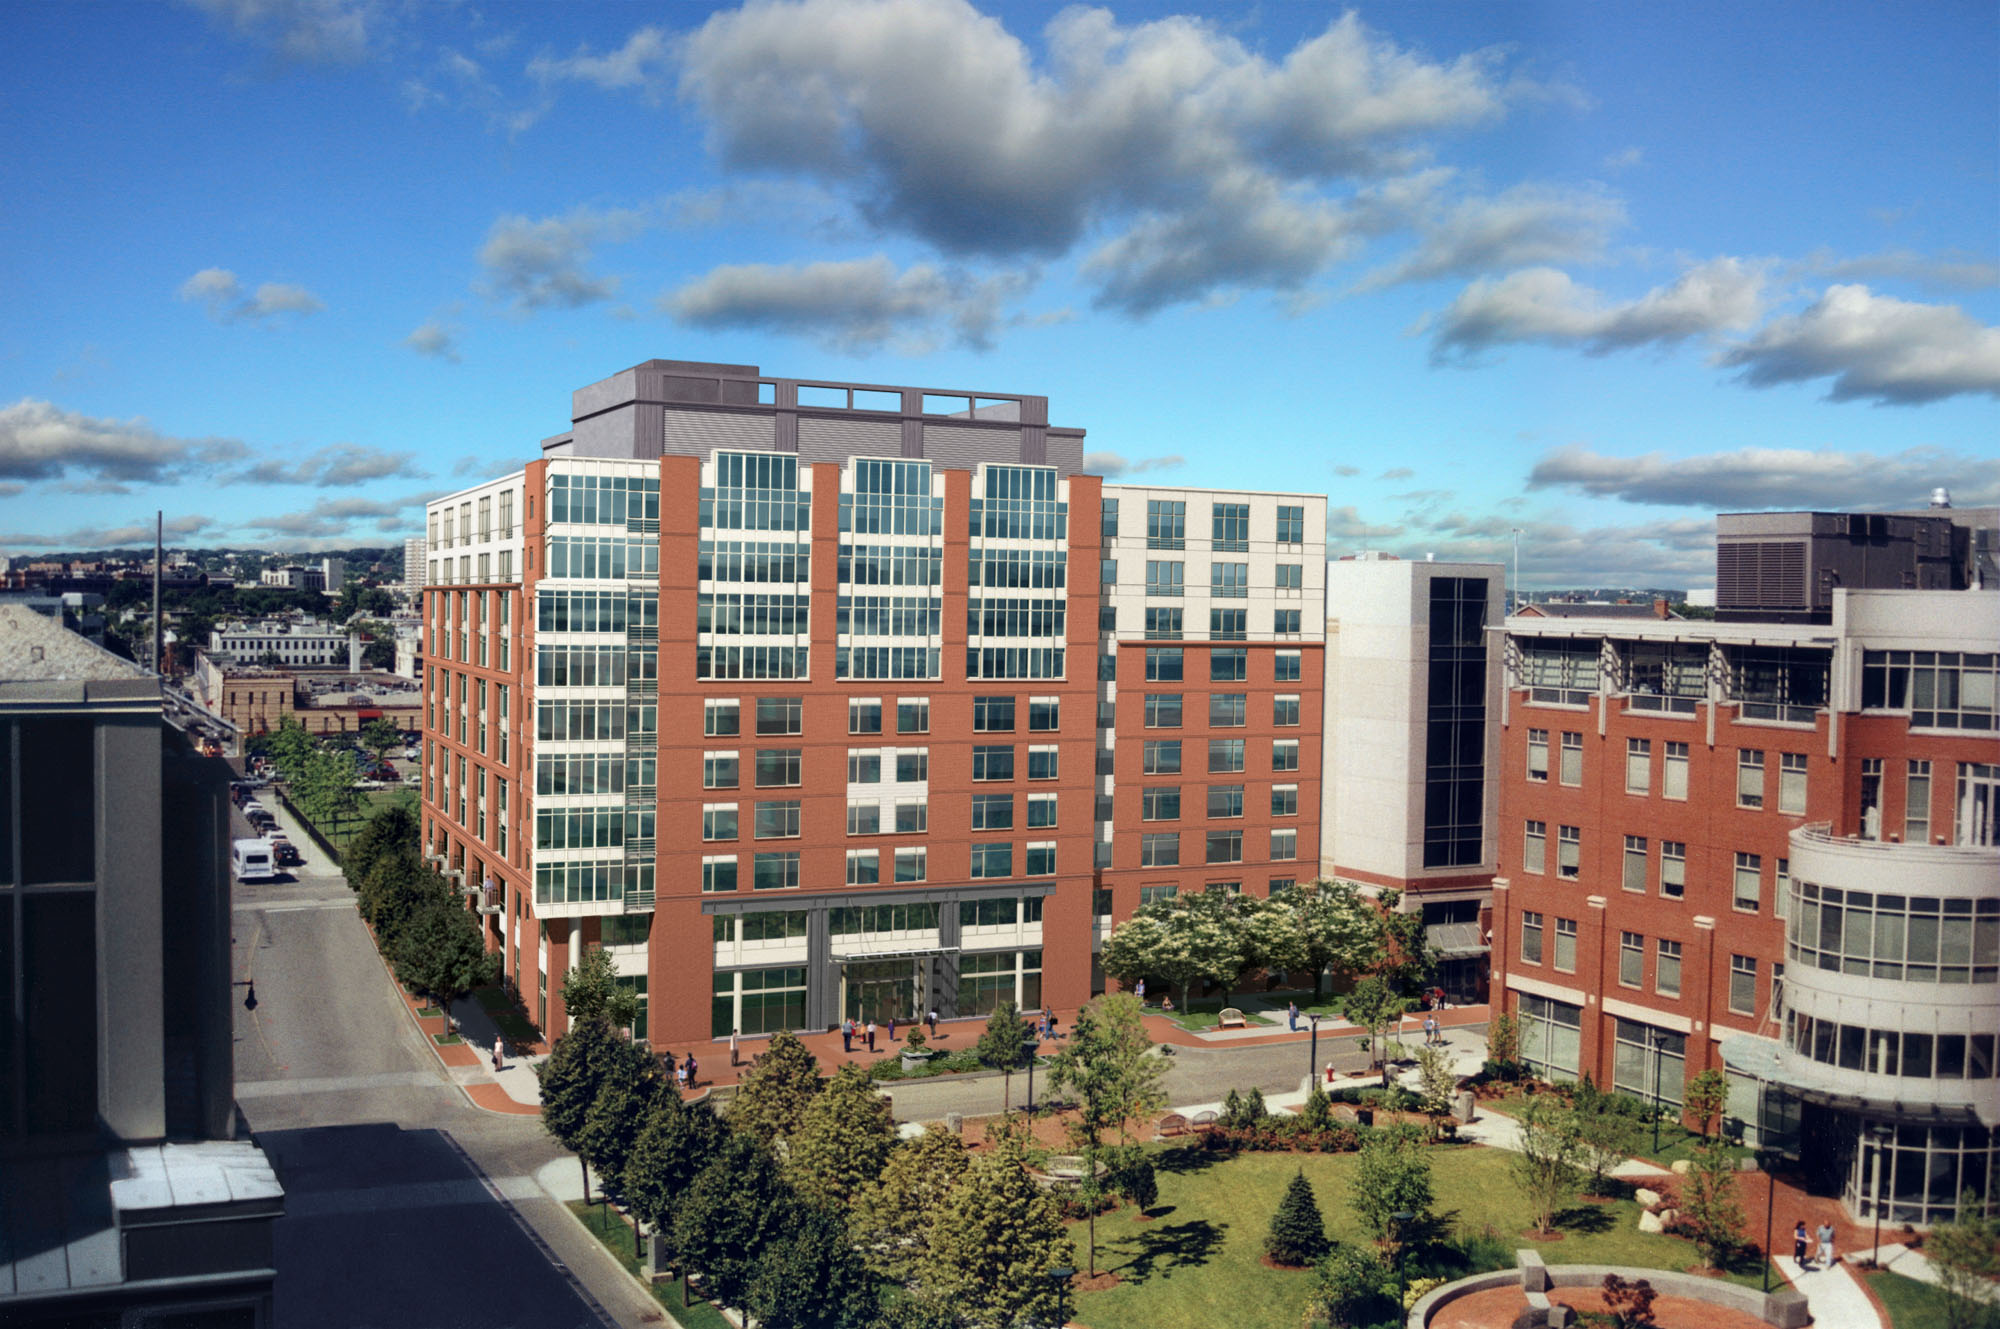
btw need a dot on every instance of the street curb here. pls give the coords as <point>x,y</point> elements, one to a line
<point>666,1316</point>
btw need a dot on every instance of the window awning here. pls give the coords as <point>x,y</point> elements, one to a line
<point>864,957</point>
<point>1451,940</point>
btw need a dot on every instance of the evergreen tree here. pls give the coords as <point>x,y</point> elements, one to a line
<point>771,1099</point>
<point>570,1077</point>
<point>891,1217</point>
<point>811,1278</point>
<point>843,1142</point>
<point>1317,1113</point>
<point>442,952</point>
<point>591,990</point>
<point>993,1242</point>
<point>1254,1110</point>
<point>1298,1233</point>
<point>1392,1174</point>
<point>1001,1046</point>
<point>737,1206</point>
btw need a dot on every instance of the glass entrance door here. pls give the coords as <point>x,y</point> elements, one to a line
<point>878,989</point>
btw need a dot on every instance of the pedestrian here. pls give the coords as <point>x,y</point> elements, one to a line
<point>892,1029</point>
<point>1292,1015</point>
<point>933,1021</point>
<point>1139,991</point>
<point>1053,1031</point>
<point>847,1035</point>
<point>734,1036</point>
<point>1430,1031</point>
<point>1049,1017</point>
<point>1799,1240</point>
<point>871,1035</point>
<point>689,1067</point>
<point>496,1054</point>
<point>1827,1258</point>
<point>681,1071</point>
<point>671,1066</point>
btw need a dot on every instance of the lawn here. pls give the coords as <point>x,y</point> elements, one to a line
<point>1198,1262</point>
<point>1676,1141</point>
<point>1203,1012</point>
<point>615,1236</point>
<point>1912,1305</point>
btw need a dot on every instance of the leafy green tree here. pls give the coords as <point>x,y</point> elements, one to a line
<point>1317,1113</point>
<point>1545,1168</point>
<point>1185,939</point>
<point>1406,957</point>
<point>290,745</point>
<point>1436,1083</point>
<point>843,1141</point>
<point>1709,1202</point>
<point>392,831</point>
<point>1605,1138</point>
<point>442,952</point>
<point>628,1085</point>
<point>811,1278</point>
<point>1095,1067</point>
<point>398,889</point>
<point>736,1208</point>
<point>1298,1232</point>
<point>1707,1096</point>
<point>675,1144</point>
<point>771,1099</point>
<point>1002,1046</point>
<point>1966,1255</point>
<point>1503,1047</point>
<point>379,735</point>
<point>271,660</point>
<point>570,1078</point>
<point>1353,1285</point>
<point>1135,1072</point>
<point>993,1241</point>
<point>891,1217</point>
<point>1134,1178</point>
<point>1376,1007</point>
<point>591,990</point>
<point>1392,1175</point>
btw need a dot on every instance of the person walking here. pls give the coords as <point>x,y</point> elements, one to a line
<point>871,1035</point>
<point>670,1066</point>
<point>689,1067</point>
<point>1799,1240</point>
<point>892,1028</point>
<point>1827,1258</point>
<point>1292,1016</point>
<point>933,1021</point>
<point>1139,991</point>
<point>498,1065</point>
<point>1430,1031</point>
<point>681,1072</point>
<point>847,1035</point>
<point>735,1058</point>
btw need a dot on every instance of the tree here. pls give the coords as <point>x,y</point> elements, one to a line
<point>1392,1175</point>
<point>270,660</point>
<point>442,952</point>
<point>591,990</point>
<point>993,1241</point>
<point>1298,1232</point>
<point>891,1217</point>
<point>1406,957</point>
<point>379,735</point>
<point>672,1148</point>
<point>1332,925</point>
<point>1353,1285</point>
<point>1605,1138</point>
<point>1134,1071</point>
<point>1375,1007</point>
<point>1001,1046</point>
<point>1709,1203</point>
<point>290,745</point>
<point>1545,1168</point>
<point>1317,1113</point>
<point>627,1087</point>
<point>1436,1083</point>
<point>1707,1096</point>
<point>570,1077</point>
<point>771,1100</point>
<point>1963,1252</point>
<point>811,1278</point>
<point>1503,1047</point>
<point>1186,939</point>
<point>1091,1065</point>
<point>396,890</point>
<point>843,1141</point>
<point>393,831</point>
<point>1133,1177</point>
<point>736,1207</point>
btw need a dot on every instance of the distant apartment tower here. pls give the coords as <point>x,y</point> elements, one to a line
<point>413,564</point>
<point>1772,847</point>
<point>807,700</point>
<point>1412,745</point>
<point>125,1196</point>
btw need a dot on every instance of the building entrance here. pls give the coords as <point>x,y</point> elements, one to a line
<point>879,989</point>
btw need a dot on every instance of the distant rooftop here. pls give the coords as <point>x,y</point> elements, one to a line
<point>35,649</point>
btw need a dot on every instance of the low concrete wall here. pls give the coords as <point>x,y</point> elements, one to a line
<point>1785,1310</point>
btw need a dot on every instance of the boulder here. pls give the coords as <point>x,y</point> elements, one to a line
<point>1650,1222</point>
<point>1667,1217</point>
<point>1681,1167</point>
<point>1647,1199</point>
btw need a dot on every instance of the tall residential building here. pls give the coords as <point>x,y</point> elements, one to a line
<point>413,564</point>
<point>1412,745</point>
<point>1771,847</point>
<point>804,699</point>
<point>125,1195</point>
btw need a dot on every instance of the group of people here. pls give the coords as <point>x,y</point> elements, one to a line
<point>1821,1242</point>
<point>682,1070</point>
<point>851,1029</point>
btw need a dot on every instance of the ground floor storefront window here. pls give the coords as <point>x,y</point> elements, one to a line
<point>1918,1170</point>
<point>1551,1036</point>
<point>759,1001</point>
<point>1649,1063</point>
<point>984,981</point>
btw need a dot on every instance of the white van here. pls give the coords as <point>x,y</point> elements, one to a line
<point>251,860</point>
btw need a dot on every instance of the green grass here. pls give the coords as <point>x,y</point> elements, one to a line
<point>955,1062</point>
<point>1203,1013</point>
<point>1912,1305</point>
<point>446,1040</point>
<point>1197,1263</point>
<point>615,1235</point>
<point>1675,1141</point>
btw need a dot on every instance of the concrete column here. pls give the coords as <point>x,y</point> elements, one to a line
<point>130,1077</point>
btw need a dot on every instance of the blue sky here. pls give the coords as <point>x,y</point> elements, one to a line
<point>284,268</point>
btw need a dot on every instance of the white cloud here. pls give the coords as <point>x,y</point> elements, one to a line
<point>642,62</point>
<point>856,304</point>
<point>137,534</point>
<point>1953,270</point>
<point>1528,224</point>
<point>335,466</point>
<point>1158,136</point>
<point>340,517</point>
<point>1556,554</point>
<point>1547,306</point>
<point>223,295</point>
<point>437,340</point>
<point>1751,478</point>
<point>312,32</point>
<point>1625,159</point>
<point>541,264</point>
<point>1346,527</point>
<point>42,441</point>
<point>1114,465</point>
<point>1896,352</point>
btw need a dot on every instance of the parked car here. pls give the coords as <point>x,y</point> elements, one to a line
<point>286,854</point>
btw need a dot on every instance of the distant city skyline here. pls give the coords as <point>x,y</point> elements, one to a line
<point>288,269</point>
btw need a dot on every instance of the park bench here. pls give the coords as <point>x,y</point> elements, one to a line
<point>1171,1125</point>
<point>1231,1016</point>
<point>1204,1120</point>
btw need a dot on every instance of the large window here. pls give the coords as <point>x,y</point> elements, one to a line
<point>1229,581</point>
<point>1631,959</point>
<point>1165,577</point>
<point>1531,937</point>
<point>1225,756</point>
<point>1571,770</point>
<point>1649,1063</point>
<point>1667,969</point>
<point>1230,526</point>
<point>1565,956</point>
<point>1225,847</point>
<point>1743,984</point>
<point>1160,849</point>
<point>1551,1036</point>
<point>1665,676</point>
<point>1161,756</point>
<point>1559,670</point>
<point>1674,772</point>
<point>1538,755</point>
<point>1291,525</point>
<point>1634,875</point>
<point>775,872</point>
<point>1638,765</point>
<point>1284,754</point>
<point>1228,664</point>
<point>1784,683</point>
<point>1166,524</point>
<point>1225,800</point>
<point>777,819</point>
<point>1160,803</point>
<point>778,768</point>
<point>1163,710</point>
<point>1164,664</point>
<point>1227,710</point>
<point>1792,784</point>
<point>1903,938</point>
<point>1535,847</point>
<point>1673,868</point>
<point>992,763</point>
<point>1940,689</point>
<point>1569,852</point>
<point>1749,882</point>
<point>758,1001</point>
<point>1750,778</point>
<point>1161,624</point>
<point>780,715</point>
<point>984,981</point>
<point>992,812</point>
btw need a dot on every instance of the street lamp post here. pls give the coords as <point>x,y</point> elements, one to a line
<point>1402,1218</point>
<point>1031,1049</point>
<point>1882,1132</point>
<point>1768,1160</point>
<point>1062,1277</point>
<point>1312,1054</point>
<point>1656,1041</point>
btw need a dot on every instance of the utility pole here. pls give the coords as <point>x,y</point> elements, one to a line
<point>159,540</point>
<point>1516,597</point>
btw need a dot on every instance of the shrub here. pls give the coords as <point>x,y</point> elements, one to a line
<point>1316,1114</point>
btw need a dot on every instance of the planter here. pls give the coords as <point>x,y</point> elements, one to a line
<point>916,1061</point>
